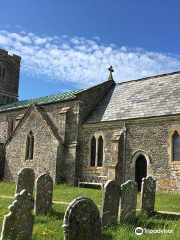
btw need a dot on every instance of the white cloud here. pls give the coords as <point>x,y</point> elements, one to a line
<point>96,38</point>
<point>83,61</point>
<point>39,40</point>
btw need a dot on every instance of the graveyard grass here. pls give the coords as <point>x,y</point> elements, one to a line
<point>49,227</point>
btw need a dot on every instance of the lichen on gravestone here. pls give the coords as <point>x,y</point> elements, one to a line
<point>82,220</point>
<point>148,195</point>
<point>18,224</point>
<point>44,194</point>
<point>128,201</point>
<point>110,203</point>
<point>26,178</point>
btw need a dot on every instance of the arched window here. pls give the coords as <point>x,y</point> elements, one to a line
<point>176,146</point>
<point>93,151</point>
<point>29,146</point>
<point>100,151</point>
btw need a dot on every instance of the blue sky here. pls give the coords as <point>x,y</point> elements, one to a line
<point>67,45</point>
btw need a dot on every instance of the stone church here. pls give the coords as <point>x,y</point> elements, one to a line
<point>121,131</point>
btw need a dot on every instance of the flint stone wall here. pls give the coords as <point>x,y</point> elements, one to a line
<point>151,138</point>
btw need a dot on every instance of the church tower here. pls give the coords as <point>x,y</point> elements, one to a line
<point>9,77</point>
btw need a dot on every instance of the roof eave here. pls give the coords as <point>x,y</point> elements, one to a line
<point>40,104</point>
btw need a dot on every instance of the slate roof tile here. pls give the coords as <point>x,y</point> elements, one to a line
<point>148,97</point>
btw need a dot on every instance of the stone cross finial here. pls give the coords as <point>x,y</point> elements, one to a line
<point>111,70</point>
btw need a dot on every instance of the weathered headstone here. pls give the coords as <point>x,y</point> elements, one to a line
<point>26,178</point>
<point>148,194</point>
<point>128,201</point>
<point>82,220</point>
<point>44,194</point>
<point>110,203</point>
<point>18,224</point>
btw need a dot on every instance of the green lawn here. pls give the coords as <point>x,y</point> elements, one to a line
<point>49,227</point>
<point>164,202</point>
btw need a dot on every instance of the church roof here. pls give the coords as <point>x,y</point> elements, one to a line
<point>44,115</point>
<point>41,100</point>
<point>142,98</point>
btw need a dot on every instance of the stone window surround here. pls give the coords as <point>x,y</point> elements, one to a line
<point>96,135</point>
<point>135,157</point>
<point>175,128</point>
<point>25,148</point>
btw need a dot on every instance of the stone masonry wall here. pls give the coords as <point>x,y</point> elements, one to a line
<point>152,139</point>
<point>69,128</point>
<point>45,149</point>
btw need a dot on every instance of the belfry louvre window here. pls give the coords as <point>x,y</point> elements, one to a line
<point>100,151</point>
<point>97,149</point>
<point>93,151</point>
<point>11,124</point>
<point>29,146</point>
<point>176,146</point>
<point>2,72</point>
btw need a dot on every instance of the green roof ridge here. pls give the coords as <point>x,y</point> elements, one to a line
<point>41,100</point>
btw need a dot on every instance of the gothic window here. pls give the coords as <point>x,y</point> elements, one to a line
<point>93,151</point>
<point>100,151</point>
<point>176,146</point>
<point>96,151</point>
<point>29,146</point>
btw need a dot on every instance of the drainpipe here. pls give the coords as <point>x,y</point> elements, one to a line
<point>124,152</point>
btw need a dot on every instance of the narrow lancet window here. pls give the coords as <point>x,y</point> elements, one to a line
<point>100,151</point>
<point>29,146</point>
<point>176,146</point>
<point>93,151</point>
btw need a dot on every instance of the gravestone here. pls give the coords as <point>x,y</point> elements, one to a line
<point>148,194</point>
<point>44,194</point>
<point>25,180</point>
<point>128,201</point>
<point>110,203</point>
<point>18,224</point>
<point>82,220</point>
